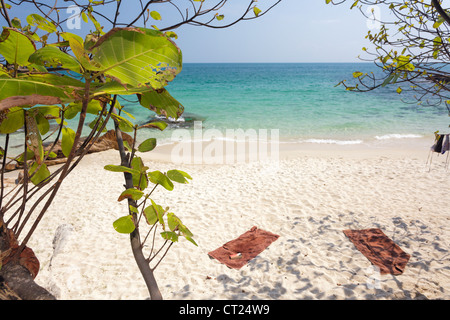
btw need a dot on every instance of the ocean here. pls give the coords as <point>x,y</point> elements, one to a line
<point>299,100</point>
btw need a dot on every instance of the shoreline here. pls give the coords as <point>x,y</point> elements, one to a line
<point>312,195</point>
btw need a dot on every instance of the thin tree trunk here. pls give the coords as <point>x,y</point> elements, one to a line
<point>135,238</point>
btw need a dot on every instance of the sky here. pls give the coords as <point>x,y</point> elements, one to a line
<point>293,31</point>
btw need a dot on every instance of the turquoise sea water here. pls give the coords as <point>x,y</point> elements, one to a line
<point>300,100</point>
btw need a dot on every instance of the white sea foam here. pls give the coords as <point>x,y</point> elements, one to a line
<point>398,136</point>
<point>332,141</point>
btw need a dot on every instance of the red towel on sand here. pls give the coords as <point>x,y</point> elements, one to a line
<point>249,245</point>
<point>380,250</point>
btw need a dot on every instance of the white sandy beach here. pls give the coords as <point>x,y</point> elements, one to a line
<point>308,199</point>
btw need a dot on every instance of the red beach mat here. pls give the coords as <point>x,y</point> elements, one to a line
<point>236,253</point>
<point>380,250</point>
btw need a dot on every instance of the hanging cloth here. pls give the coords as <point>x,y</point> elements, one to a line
<point>445,144</point>
<point>438,145</point>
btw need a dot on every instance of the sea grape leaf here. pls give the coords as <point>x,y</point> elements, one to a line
<point>115,87</point>
<point>138,164</point>
<point>151,215</point>
<point>68,137</point>
<point>40,22</point>
<point>11,120</point>
<point>140,179</point>
<point>191,240</point>
<point>138,57</point>
<point>94,122</point>
<point>159,213</point>
<point>169,235</point>
<point>16,23</point>
<point>161,125</point>
<point>131,193</point>
<point>161,102</point>
<point>16,47</point>
<point>38,173</point>
<point>155,15</point>
<point>93,107</point>
<point>147,145</point>
<point>77,45</point>
<point>42,122</point>
<point>124,124</point>
<point>97,25</point>
<point>157,177</point>
<point>53,57</point>
<point>50,112</point>
<point>173,221</point>
<point>178,176</point>
<point>45,89</point>
<point>124,224</point>
<point>115,168</point>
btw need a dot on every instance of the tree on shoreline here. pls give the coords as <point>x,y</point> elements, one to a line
<point>411,47</point>
<point>35,93</point>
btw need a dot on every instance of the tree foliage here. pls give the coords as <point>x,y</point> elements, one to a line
<point>411,47</point>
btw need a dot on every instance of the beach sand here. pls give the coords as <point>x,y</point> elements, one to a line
<point>308,196</point>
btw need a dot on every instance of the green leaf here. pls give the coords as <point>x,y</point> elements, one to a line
<point>42,122</point>
<point>151,214</point>
<point>220,17</point>
<point>173,221</point>
<point>94,107</point>
<point>124,224</point>
<point>40,22</point>
<point>161,125</point>
<point>171,34</point>
<point>256,11</point>
<point>162,103</point>
<point>53,57</point>
<point>147,145</point>
<point>155,15</point>
<point>68,137</point>
<point>45,89</point>
<point>157,177</point>
<point>168,235</point>
<point>131,193</point>
<point>11,120</point>
<point>16,23</point>
<point>84,17</point>
<point>16,47</point>
<point>138,165</point>
<point>159,213</point>
<point>140,179</point>
<point>124,124</point>
<point>191,240</point>
<point>178,176</point>
<point>77,45</point>
<point>138,57</point>
<point>115,168</point>
<point>97,25</point>
<point>399,90</point>
<point>357,74</point>
<point>38,173</point>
